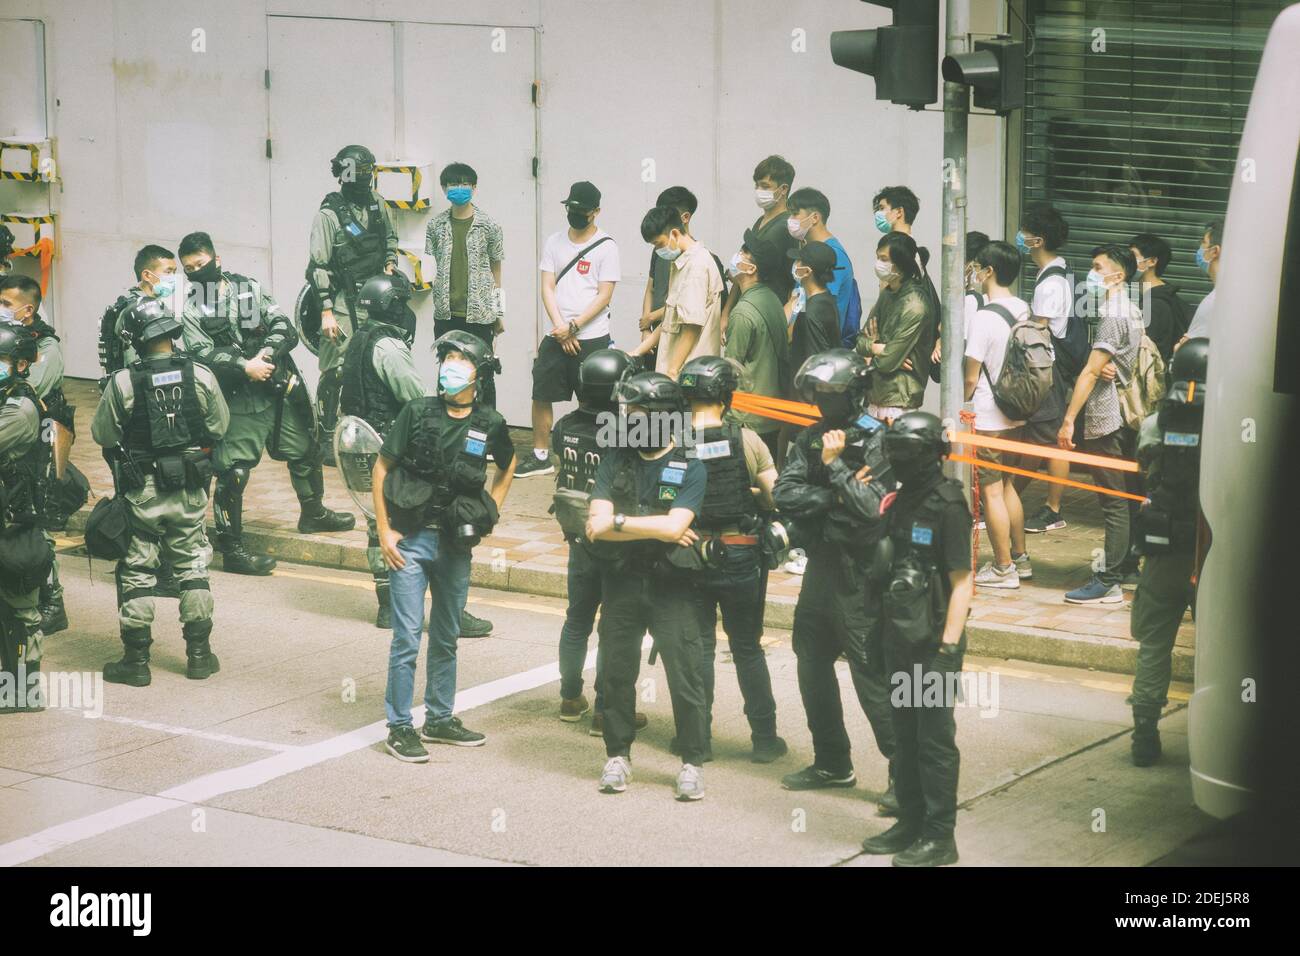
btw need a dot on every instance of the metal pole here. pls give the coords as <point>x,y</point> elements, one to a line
<point>956,106</point>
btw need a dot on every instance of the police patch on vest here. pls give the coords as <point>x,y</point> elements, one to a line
<point>476,442</point>
<point>353,229</point>
<point>667,493</point>
<point>922,534</point>
<point>713,449</point>
<point>1184,439</point>
<point>166,378</point>
<point>673,473</point>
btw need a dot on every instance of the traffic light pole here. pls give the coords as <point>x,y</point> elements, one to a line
<point>956,108</point>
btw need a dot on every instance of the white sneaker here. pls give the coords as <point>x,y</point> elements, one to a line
<point>617,772</point>
<point>991,576</point>
<point>980,525</point>
<point>797,563</point>
<point>1023,567</point>
<point>690,783</point>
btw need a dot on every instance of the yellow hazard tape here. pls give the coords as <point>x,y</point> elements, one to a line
<point>33,149</point>
<point>416,178</point>
<point>414,205</point>
<point>29,220</point>
<point>418,283</point>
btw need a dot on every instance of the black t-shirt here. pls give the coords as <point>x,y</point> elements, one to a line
<point>816,329</point>
<point>455,436</point>
<point>658,481</point>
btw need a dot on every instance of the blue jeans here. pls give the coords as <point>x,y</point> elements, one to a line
<point>584,601</point>
<point>444,572</point>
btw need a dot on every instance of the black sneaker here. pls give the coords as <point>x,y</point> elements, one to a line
<point>768,749</point>
<point>928,853</point>
<point>404,744</point>
<point>1045,519</point>
<point>471,626</point>
<point>530,465</point>
<point>814,778</point>
<point>450,731</point>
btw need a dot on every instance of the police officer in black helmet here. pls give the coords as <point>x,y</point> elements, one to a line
<point>836,486</point>
<point>730,526</point>
<point>1169,451</point>
<point>924,611</point>
<point>576,443</point>
<point>646,497</point>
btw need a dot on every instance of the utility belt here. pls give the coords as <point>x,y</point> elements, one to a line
<point>1160,532</point>
<point>184,470</point>
<point>461,513</point>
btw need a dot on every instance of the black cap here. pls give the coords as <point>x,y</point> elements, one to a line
<point>583,195</point>
<point>815,255</point>
<point>766,254</point>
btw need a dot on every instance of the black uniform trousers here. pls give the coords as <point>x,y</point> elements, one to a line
<point>926,761</point>
<point>829,620</point>
<point>631,604</point>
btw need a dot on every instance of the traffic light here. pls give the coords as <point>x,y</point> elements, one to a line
<point>903,58</point>
<point>995,70</point>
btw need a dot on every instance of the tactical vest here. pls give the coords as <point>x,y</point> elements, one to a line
<point>728,502</point>
<point>165,416</point>
<point>1168,523</point>
<point>579,460</point>
<point>359,251</point>
<point>364,393</point>
<point>669,477</point>
<point>56,404</point>
<point>915,601</point>
<point>465,474</point>
<point>216,325</point>
<point>112,350</point>
<point>20,475</point>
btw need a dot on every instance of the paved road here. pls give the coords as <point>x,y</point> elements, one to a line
<point>279,760</point>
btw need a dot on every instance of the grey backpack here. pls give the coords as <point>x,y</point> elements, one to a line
<point>1026,375</point>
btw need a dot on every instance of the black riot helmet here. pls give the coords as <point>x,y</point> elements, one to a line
<point>710,378</point>
<point>598,374</point>
<point>6,247</point>
<point>384,299</point>
<point>653,391</point>
<point>16,344</point>
<point>353,164</point>
<point>1187,373</point>
<point>148,320</point>
<point>471,346</point>
<point>915,444</point>
<point>836,382</point>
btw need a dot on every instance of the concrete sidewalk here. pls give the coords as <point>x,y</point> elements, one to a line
<point>527,553</point>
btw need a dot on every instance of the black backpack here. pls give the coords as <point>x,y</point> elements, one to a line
<point>1072,350</point>
<point>1026,375</point>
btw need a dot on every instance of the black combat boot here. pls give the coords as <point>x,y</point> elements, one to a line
<point>54,616</point>
<point>200,662</point>
<point>316,518</point>
<point>1146,739</point>
<point>384,616</point>
<point>228,515</point>
<point>928,852</point>
<point>894,840</point>
<point>133,668</point>
<point>471,626</point>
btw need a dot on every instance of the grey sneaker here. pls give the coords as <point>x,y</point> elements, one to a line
<point>690,783</point>
<point>1023,568</point>
<point>617,772</point>
<point>991,576</point>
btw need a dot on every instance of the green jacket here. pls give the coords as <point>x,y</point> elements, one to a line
<point>905,323</point>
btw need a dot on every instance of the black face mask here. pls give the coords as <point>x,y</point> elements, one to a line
<point>915,473</point>
<point>578,220</point>
<point>358,192</point>
<point>837,408</point>
<point>210,273</point>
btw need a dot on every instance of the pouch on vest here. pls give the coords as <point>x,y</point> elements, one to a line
<point>169,470</point>
<point>467,476</point>
<point>25,557</point>
<point>198,468</point>
<point>911,621</point>
<point>572,508</point>
<point>108,529</point>
<point>407,497</point>
<point>685,559</point>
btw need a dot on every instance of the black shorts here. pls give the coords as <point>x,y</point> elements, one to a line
<point>555,371</point>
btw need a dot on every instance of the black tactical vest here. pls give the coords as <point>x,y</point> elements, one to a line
<point>1174,475</point>
<point>669,476</point>
<point>579,451</point>
<point>56,405</point>
<point>466,472</point>
<point>364,393</point>
<point>914,603</point>
<point>359,251</point>
<point>216,324</point>
<point>112,350</point>
<point>728,502</point>
<point>23,496</point>
<point>165,416</point>
<point>915,532</point>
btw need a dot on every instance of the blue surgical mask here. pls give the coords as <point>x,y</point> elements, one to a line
<point>165,286</point>
<point>7,315</point>
<point>1094,282</point>
<point>668,254</point>
<point>1020,243</point>
<point>459,195</point>
<point>5,372</point>
<point>882,222</point>
<point>453,378</point>
<point>1202,263</point>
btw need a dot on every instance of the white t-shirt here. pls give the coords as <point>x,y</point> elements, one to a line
<point>575,292</point>
<point>1054,299</point>
<point>987,344</point>
<point>1199,328</point>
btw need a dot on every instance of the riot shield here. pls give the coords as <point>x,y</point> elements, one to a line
<point>356,444</point>
<point>306,315</point>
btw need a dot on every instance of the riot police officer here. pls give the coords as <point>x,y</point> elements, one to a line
<point>353,237</point>
<point>20,302</point>
<point>839,520</point>
<point>155,275</point>
<point>235,328</point>
<point>924,612</point>
<point>432,505</point>
<point>23,460</point>
<point>1169,450</point>
<point>730,527</point>
<point>156,422</point>
<point>646,496</point>
<point>379,377</point>
<point>576,444</point>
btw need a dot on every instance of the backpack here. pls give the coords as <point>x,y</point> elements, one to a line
<point>1145,386</point>
<point>1026,375</point>
<point>1072,350</point>
<point>851,324</point>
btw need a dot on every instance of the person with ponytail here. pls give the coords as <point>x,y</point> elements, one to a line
<point>899,336</point>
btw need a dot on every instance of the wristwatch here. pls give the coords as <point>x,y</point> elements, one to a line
<point>573,329</point>
<point>619,520</point>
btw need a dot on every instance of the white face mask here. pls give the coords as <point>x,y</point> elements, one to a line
<point>794,226</point>
<point>884,269</point>
<point>737,266</point>
<point>766,198</point>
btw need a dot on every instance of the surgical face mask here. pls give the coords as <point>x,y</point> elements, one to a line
<point>882,221</point>
<point>165,286</point>
<point>800,299</point>
<point>800,272</point>
<point>1095,282</point>
<point>884,269</point>
<point>794,225</point>
<point>578,219</point>
<point>459,195</point>
<point>737,264</point>
<point>668,253</point>
<point>7,315</point>
<point>453,377</point>
<point>1021,244</point>
<point>1202,263</point>
<point>766,198</point>
<point>5,371</point>
<point>971,284</point>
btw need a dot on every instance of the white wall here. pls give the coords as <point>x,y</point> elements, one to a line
<point>154,139</point>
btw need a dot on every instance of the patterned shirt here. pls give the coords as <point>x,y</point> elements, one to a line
<point>484,245</point>
<point>1119,333</point>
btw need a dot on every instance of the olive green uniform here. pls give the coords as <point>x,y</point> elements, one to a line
<point>20,617</point>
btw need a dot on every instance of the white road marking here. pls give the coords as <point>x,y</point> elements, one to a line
<point>259,772</point>
<point>191,732</point>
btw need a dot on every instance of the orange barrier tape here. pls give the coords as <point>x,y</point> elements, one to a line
<point>772,413</point>
<point>44,250</point>
<point>1044,477</point>
<point>1042,451</point>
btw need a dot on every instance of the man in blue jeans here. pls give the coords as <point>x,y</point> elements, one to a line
<point>432,505</point>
